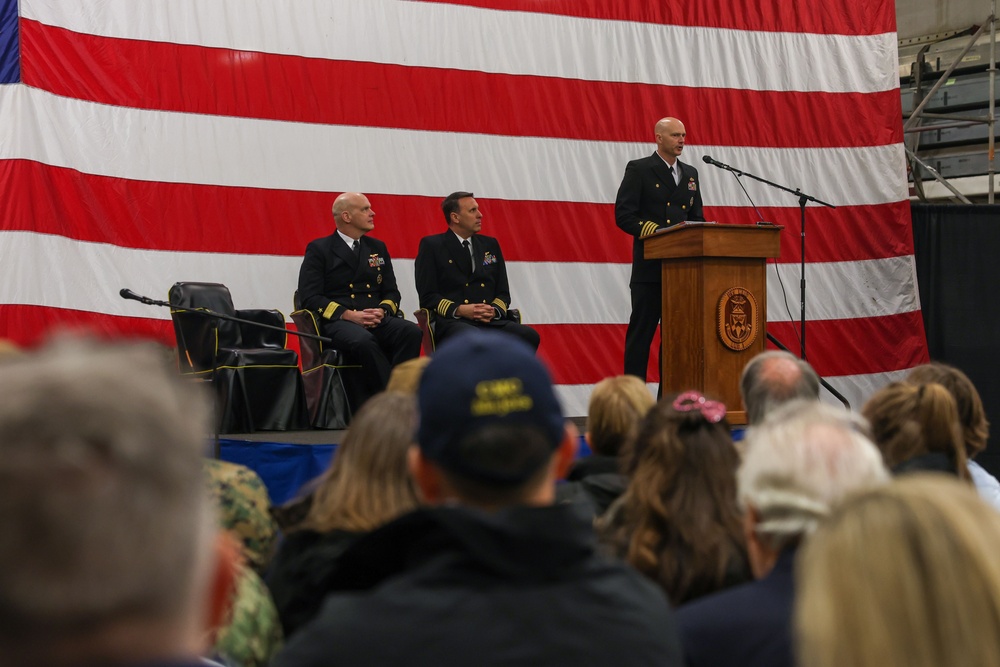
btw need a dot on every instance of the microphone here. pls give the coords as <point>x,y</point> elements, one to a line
<point>126,293</point>
<point>737,173</point>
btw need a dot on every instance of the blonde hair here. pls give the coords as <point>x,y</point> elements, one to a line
<point>617,405</point>
<point>904,575</point>
<point>908,420</point>
<point>368,482</point>
<point>405,377</point>
<point>971,414</point>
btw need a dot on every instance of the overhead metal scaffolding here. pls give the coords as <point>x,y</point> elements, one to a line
<point>915,123</point>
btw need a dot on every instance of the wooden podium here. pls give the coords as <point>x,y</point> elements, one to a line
<point>714,305</point>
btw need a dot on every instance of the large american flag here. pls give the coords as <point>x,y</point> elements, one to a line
<point>144,142</point>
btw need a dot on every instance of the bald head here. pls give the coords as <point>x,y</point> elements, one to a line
<point>670,135</point>
<point>666,124</point>
<point>353,214</point>
<point>345,201</point>
<point>774,378</point>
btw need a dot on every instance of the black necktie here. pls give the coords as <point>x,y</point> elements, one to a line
<point>670,170</point>
<point>472,262</point>
<point>356,247</point>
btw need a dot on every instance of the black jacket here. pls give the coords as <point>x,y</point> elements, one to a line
<point>648,199</point>
<point>748,625</point>
<point>594,481</point>
<point>455,586</point>
<point>442,276</point>
<point>301,574</point>
<point>332,279</point>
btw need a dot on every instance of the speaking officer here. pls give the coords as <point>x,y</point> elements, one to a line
<point>347,278</point>
<point>461,275</point>
<point>657,191</point>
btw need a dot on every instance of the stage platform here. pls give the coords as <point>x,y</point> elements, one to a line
<point>286,460</point>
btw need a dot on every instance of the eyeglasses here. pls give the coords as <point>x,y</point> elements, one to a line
<point>712,411</point>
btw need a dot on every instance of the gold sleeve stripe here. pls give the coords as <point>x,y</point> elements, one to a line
<point>331,308</point>
<point>443,306</point>
<point>498,302</point>
<point>392,305</point>
<point>649,227</point>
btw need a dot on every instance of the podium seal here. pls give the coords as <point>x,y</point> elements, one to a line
<point>737,319</point>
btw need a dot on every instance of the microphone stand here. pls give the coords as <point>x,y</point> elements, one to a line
<point>126,293</point>
<point>803,199</point>
<point>204,312</point>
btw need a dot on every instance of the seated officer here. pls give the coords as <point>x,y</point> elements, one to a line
<point>461,275</point>
<point>347,278</point>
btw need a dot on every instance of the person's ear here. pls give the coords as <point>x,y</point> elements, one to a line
<point>425,475</point>
<point>567,451</point>
<point>225,578</point>
<point>760,562</point>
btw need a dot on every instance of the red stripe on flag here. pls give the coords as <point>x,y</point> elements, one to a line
<point>29,325</point>
<point>576,354</point>
<point>587,353</point>
<point>870,18</point>
<point>858,346</point>
<point>310,90</point>
<point>210,218</point>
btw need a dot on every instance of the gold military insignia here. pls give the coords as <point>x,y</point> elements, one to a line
<point>379,279</point>
<point>737,318</point>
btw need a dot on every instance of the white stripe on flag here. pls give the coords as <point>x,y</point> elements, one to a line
<point>467,38</point>
<point>87,276</point>
<point>190,148</point>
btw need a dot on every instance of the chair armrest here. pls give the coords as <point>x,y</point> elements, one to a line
<point>514,315</point>
<point>425,322</point>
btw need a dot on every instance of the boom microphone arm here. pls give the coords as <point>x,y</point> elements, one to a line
<point>126,293</point>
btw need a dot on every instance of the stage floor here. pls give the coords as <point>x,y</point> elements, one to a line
<point>310,437</point>
<point>286,460</point>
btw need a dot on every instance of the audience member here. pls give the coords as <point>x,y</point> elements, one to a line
<point>801,461</point>
<point>916,428</point>
<point>678,522</point>
<point>111,554</point>
<point>902,576</point>
<point>243,503</point>
<point>405,378</point>
<point>617,405</point>
<point>493,573</point>
<point>9,350</point>
<point>366,485</point>
<point>773,378</point>
<point>253,633</point>
<point>971,414</point>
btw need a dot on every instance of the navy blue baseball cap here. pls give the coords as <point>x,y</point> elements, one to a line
<point>479,379</point>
